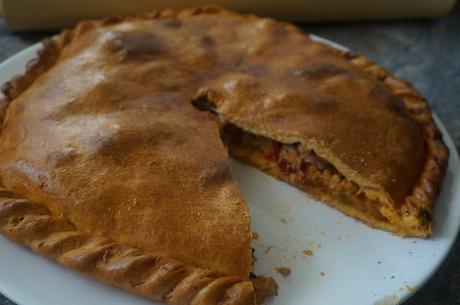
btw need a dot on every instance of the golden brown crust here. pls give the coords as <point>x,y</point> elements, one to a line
<point>264,287</point>
<point>413,210</point>
<point>349,111</point>
<point>417,208</point>
<point>48,55</point>
<point>155,277</point>
<point>248,43</point>
<point>206,223</point>
<point>210,183</point>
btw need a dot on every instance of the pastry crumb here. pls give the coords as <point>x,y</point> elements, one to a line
<point>267,249</point>
<point>283,220</point>
<point>255,235</point>
<point>284,271</point>
<point>388,300</point>
<point>339,237</point>
<point>322,273</point>
<point>409,288</point>
<point>264,287</point>
<point>308,252</point>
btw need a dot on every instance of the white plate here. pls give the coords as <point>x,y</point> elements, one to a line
<point>351,263</point>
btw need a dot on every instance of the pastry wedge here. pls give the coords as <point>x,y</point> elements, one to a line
<point>112,157</point>
<point>337,126</point>
<point>108,168</point>
<point>333,124</point>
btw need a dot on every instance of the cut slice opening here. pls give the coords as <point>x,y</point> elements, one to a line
<point>304,169</point>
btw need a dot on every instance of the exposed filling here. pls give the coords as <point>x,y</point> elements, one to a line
<point>299,166</point>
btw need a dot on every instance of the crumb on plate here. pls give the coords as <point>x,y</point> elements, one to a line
<point>284,271</point>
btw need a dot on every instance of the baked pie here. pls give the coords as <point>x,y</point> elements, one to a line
<point>112,156</point>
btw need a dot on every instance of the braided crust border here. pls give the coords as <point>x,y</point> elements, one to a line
<point>159,278</point>
<point>417,209</point>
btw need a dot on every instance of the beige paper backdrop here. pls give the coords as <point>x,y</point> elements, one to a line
<point>55,14</point>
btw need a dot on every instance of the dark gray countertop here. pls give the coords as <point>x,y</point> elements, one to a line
<point>427,53</point>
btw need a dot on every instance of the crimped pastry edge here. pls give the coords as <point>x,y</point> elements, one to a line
<point>417,209</point>
<point>159,278</point>
<point>52,47</point>
<point>191,285</point>
<point>415,213</point>
<point>419,203</point>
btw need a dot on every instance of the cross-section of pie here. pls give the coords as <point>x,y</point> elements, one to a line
<point>113,155</point>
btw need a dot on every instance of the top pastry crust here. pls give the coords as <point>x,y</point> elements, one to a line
<point>95,132</point>
<point>101,131</point>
